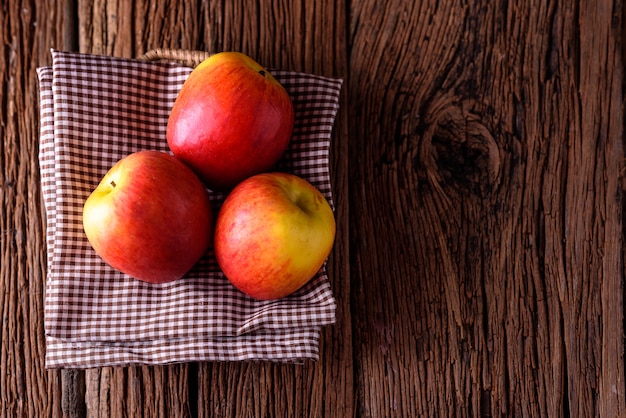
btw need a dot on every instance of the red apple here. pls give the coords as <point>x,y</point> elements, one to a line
<point>150,217</point>
<point>273,234</point>
<point>231,119</point>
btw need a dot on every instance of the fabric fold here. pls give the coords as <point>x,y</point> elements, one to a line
<point>94,110</point>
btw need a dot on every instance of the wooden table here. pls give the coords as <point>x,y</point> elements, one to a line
<point>478,169</point>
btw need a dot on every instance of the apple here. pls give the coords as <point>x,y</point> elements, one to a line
<point>231,119</point>
<point>273,233</point>
<point>150,217</point>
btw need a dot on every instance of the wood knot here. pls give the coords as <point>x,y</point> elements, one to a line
<point>457,150</point>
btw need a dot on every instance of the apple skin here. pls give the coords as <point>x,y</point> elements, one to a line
<point>273,233</point>
<point>231,119</point>
<point>150,217</point>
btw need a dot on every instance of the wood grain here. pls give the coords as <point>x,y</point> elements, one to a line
<point>28,32</point>
<point>491,139</point>
<point>478,174</point>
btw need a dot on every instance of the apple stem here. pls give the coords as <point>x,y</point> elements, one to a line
<point>262,72</point>
<point>113,183</point>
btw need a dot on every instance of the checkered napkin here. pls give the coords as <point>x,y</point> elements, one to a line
<point>96,110</point>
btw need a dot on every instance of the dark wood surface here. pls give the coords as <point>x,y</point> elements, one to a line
<point>478,169</point>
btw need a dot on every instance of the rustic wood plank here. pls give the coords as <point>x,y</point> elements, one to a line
<point>299,36</point>
<point>128,29</point>
<point>491,137</point>
<point>73,393</point>
<point>29,31</point>
<point>602,133</point>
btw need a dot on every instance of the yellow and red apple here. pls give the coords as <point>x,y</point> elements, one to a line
<point>273,233</point>
<point>150,217</point>
<point>231,119</point>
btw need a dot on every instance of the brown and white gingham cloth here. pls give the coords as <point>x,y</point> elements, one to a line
<point>96,110</point>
